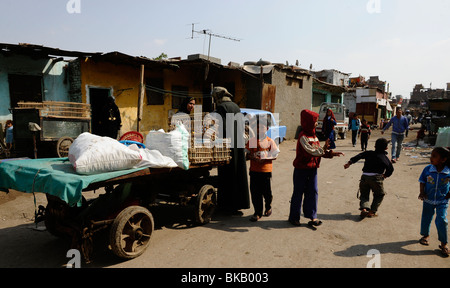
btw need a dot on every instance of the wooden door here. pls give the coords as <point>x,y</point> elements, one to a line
<point>268,98</point>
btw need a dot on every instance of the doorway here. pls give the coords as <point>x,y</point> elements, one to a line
<point>24,88</point>
<point>98,97</point>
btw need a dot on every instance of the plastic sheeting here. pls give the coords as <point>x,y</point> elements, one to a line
<point>55,177</point>
<point>443,137</point>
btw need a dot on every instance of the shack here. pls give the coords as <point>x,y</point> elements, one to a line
<point>34,73</point>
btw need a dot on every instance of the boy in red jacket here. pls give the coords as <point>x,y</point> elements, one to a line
<point>309,154</point>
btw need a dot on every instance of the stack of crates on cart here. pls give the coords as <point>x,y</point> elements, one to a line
<point>200,152</point>
<point>59,123</point>
<point>222,151</point>
<point>59,109</point>
<point>204,147</point>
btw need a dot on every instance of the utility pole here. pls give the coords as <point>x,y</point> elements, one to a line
<point>210,34</point>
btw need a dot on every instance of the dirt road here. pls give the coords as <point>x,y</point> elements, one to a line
<point>235,242</point>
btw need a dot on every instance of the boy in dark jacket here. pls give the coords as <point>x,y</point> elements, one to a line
<point>364,132</point>
<point>376,168</point>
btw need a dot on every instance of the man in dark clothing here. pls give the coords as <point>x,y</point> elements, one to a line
<point>376,168</point>
<point>110,120</point>
<point>233,192</point>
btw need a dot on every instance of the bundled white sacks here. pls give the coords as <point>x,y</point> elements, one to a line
<point>174,144</point>
<point>92,154</point>
<point>153,158</point>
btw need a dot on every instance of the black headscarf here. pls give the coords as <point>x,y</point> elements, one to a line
<point>183,106</point>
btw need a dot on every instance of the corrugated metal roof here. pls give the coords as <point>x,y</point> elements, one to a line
<point>41,51</point>
<point>124,59</point>
<point>327,86</point>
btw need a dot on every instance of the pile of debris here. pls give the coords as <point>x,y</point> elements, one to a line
<point>417,149</point>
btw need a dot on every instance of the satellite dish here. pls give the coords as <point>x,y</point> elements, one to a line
<point>262,62</point>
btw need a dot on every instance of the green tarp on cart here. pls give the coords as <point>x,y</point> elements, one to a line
<point>54,176</point>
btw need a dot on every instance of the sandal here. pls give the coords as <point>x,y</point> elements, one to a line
<point>444,250</point>
<point>294,222</point>
<point>372,214</point>
<point>424,241</point>
<point>255,218</point>
<point>364,213</point>
<point>316,223</point>
<point>268,213</point>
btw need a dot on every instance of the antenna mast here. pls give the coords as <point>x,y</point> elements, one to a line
<point>210,34</point>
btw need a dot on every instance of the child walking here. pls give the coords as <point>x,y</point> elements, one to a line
<point>307,161</point>
<point>261,158</point>
<point>420,134</point>
<point>376,168</point>
<point>434,192</point>
<point>9,128</point>
<point>364,132</point>
<point>354,126</point>
<point>328,128</point>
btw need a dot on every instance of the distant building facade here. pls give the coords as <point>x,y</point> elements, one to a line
<point>420,96</point>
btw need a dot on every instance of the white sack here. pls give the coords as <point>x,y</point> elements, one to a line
<point>173,144</point>
<point>92,154</point>
<point>153,158</point>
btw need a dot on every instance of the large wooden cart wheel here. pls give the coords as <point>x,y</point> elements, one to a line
<point>131,231</point>
<point>63,145</point>
<point>206,204</point>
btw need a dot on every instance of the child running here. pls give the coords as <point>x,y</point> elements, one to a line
<point>328,128</point>
<point>364,132</point>
<point>434,192</point>
<point>376,168</point>
<point>261,158</point>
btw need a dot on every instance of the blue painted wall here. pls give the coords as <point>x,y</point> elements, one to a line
<point>52,72</point>
<point>330,96</point>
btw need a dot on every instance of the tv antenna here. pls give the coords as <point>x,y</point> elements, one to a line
<point>210,34</point>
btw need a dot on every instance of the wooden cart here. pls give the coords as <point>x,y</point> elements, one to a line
<point>123,211</point>
<point>59,122</point>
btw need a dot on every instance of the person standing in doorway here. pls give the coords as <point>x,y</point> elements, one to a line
<point>110,120</point>
<point>399,126</point>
